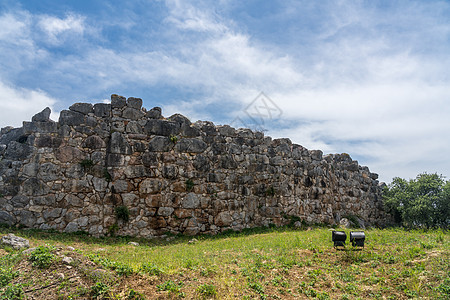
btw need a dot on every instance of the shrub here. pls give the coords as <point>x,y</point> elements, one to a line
<point>86,163</point>
<point>42,257</point>
<point>420,202</point>
<point>122,213</point>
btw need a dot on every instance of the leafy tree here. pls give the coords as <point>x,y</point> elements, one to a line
<point>420,202</point>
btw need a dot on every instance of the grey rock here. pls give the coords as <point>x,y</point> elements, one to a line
<point>316,154</point>
<point>93,142</point>
<point>71,227</point>
<point>160,144</point>
<point>118,101</point>
<point>165,211</point>
<point>191,145</point>
<point>133,127</point>
<point>17,151</point>
<point>6,218</point>
<point>28,251</point>
<point>34,187</point>
<point>41,127</point>
<point>180,119</point>
<point>20,201</point>
<point>15,242</point>
<point>114,160</point>
<point>71,118</point>
<point>154,113</point>
<point>49,172</point>
<point>13,134</point>
<point>52,213</point>
<point>190,201</point>
<point>102,110</point>
<point>27,218</point>
<point>84,108</point>
<point>118,144</point>
<point>226,130</point>
<point>345,223</point>
<point>43,116</point>
<point>161,127</point>
<point>132,113</point>
<point>47,141</point>
<point>133,244</point>
<point>134,102</point>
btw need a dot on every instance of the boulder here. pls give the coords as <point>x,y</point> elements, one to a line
<point>43,116</point>
<point>15,242</point>
<point>134,103</point>
<point>84,108</point>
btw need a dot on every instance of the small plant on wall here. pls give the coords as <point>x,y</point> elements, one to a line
<point>107,175</point>
<point>189,185</point>
<point>173,138</point>
<point>122,213</point>
<point>270,191</point>
<point>86,163</point>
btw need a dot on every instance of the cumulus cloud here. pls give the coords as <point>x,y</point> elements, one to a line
<point>57,29</point>
<point>19,104</point>
<point>352,77</point>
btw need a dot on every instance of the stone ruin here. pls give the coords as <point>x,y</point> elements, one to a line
<point>118,168</point>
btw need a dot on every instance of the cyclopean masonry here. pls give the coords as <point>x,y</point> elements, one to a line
<point>172,175</point>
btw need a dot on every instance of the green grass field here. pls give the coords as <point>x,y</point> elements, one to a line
<point>259,264</point>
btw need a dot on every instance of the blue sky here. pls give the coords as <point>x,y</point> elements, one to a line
<point>369,78</point>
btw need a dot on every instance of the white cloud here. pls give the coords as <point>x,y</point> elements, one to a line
<point>17,105</point>
<point>366,82</point>
<point>57,29</point>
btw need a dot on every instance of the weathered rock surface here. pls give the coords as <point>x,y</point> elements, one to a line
<point>15,242</point>
<point>172,175</point>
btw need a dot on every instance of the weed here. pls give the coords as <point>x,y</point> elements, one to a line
<point>99,290</point>
<point>87,163</point>
<point>112,229</point>
<point>172,287</point>
<point>207,290</point>
<point>173,138</point>
<point>270,192</point>
<point>133,295</point>
<point>189,185</point>
<point>13,292</point>
<point>121,268</point>
<point>6,275</point>
<point>122,213</point>
<point>444,288</point>
<point>151,269</point>
<point>107,175</point>
<point>42,257</point>
<point>257,287</point>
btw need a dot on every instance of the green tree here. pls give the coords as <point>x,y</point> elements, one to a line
<point>420,202</point>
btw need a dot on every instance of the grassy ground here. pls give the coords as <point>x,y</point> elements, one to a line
<point>260,264</point>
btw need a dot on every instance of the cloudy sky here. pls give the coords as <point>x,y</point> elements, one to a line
<point>369,78</point>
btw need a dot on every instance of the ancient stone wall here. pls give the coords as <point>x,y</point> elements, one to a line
<point>172,175</point>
